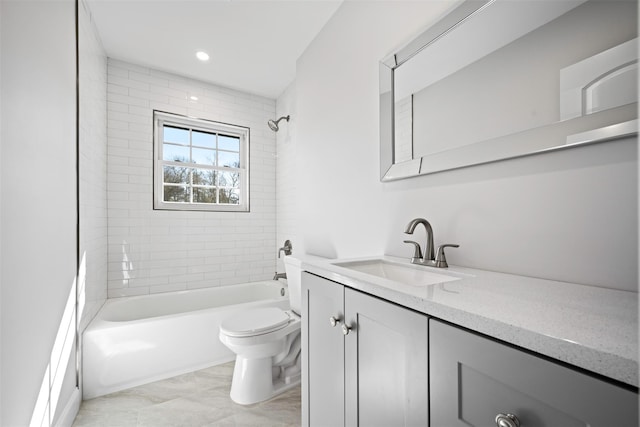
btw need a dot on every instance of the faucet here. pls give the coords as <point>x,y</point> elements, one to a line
<point>428,248</point>
<point>287,249</point>
<point>429,258</point>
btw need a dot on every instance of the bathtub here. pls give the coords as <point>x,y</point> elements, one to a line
<point>137,340</point>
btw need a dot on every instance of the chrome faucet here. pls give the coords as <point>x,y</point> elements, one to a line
<point>428,248</point>
<point>287,249</point>
<point>429,258</point>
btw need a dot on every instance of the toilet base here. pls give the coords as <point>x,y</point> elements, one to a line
<point>263,385</point>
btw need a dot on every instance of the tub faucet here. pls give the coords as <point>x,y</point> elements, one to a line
<point>287,249</point>
<point>428,258</point>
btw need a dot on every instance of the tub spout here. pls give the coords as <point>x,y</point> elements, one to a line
<point>279,276</point>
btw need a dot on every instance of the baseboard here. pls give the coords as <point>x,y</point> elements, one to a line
<point>70,411</point>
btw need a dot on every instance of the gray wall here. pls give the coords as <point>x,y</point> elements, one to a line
<point>568,216</point>
<point>38,200</point>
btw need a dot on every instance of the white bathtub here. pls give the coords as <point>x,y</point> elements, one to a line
<point>136,340</point>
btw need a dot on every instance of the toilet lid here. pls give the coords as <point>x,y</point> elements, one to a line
<point>254,322</point>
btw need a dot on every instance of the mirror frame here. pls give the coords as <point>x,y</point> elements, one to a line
<point>450,159</point>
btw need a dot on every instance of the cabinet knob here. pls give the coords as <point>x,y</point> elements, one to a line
<point>507,420</point>
<point>333,321</point>
<point>345,329</point>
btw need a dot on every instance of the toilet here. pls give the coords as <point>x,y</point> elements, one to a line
<point>267,344</point>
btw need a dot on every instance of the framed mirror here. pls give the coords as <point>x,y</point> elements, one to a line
<point>500,79</point>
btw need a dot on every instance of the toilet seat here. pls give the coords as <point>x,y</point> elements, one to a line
<point>255,322</point>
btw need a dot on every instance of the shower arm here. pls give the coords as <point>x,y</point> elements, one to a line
<point>273,124</point>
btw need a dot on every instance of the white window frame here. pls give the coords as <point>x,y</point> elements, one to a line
<point>160,119</point>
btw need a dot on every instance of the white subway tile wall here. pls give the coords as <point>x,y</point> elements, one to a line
<point>154,251</point>
<point>286,173</point>
<point>92,285</point>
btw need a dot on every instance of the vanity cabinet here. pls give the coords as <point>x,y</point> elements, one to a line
<point>474,379</point>
<point>365,360</point>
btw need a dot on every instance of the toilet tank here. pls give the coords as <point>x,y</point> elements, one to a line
<point>293,268</point>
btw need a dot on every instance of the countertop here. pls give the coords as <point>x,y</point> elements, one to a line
<point>585,326</point>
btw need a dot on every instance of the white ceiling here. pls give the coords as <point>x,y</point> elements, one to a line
<point>253,44</point>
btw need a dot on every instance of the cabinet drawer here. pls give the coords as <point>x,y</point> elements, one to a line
<point>473,379</point>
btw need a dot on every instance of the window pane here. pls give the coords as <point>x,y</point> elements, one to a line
<point>204,177</point>
<point>203,139</point>
<point>234,197</point>
<point>226,142</point>
<point>204,195</point>
<point>176,135</point>
<point>203,156</point>
<point>231,197</point>
<point>227,159</point>
<point>175,153</point>
<point>176,175</point>
<point>175,193</point>
<point>199,164</point>
<point>229,179</point>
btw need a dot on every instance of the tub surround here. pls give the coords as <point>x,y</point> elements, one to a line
<point>592,328</point>
<point>153,251</point>
<point>92,127</point>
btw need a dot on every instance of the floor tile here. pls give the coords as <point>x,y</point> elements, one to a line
<point>198,398</point>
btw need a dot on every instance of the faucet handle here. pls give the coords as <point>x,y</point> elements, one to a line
<point>287,248</point>
<point>441,259</point>
<point>417,253</point>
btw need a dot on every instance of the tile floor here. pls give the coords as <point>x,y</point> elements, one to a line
<point>199,398</point>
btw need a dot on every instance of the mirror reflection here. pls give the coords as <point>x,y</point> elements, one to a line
<point>508,79</point>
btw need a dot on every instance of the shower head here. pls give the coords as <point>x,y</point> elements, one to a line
<point>273,124</point>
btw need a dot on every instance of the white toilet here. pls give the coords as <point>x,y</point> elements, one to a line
<point>266,342</point>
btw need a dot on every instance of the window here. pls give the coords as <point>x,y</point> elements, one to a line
<point>200,164</point>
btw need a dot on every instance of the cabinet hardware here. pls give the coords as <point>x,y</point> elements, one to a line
<point>345,329</point>
<point>507,420</point>
<point>333,321</point>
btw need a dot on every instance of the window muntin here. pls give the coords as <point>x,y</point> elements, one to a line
<point>200,164</point>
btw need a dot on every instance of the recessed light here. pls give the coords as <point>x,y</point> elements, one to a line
<point>193,98</point>
<point>202,56</point>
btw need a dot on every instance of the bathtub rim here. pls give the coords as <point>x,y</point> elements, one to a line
<point>99,320</point>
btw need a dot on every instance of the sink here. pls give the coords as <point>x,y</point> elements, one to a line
<point>408,274</point>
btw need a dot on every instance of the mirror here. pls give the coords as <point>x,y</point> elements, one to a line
<point>501,79</point>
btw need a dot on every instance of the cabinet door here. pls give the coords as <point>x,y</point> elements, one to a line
<point>474,378</point>
<point>322,352</point>
<point>386,363</point>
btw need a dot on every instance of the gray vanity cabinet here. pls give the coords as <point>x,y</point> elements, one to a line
<point>322,353</point>
<point>474,380</point>
<point>365,360</point>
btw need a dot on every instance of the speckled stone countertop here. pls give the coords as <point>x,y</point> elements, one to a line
<point>589,327</point>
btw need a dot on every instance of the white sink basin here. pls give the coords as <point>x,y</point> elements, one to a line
<point>414,275</point>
